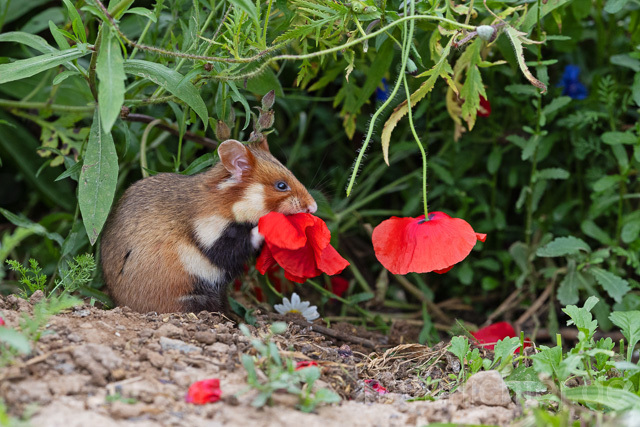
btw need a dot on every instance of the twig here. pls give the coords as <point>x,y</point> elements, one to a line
<point>142,118</point>
<point>433,308</point>
<point>332,333</point>
<point>505,305</point>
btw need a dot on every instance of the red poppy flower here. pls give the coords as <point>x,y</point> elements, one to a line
<point>205,391</point>
<point>300,244</point>
<point>485,107</point>
<point>305,364</point>
<point>339,285</point>
<point>405,245</point>
<point>376,386</point>
<point>488,336</point>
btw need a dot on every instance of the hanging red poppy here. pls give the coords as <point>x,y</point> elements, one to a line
<point>406,245</point>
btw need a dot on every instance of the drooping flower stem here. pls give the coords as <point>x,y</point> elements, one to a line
<point>424,154</point>
<point>407,37</point>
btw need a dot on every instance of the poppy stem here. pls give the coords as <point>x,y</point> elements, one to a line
<point>424,154</point>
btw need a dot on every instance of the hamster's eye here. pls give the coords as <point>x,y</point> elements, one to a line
<point>282,186</point>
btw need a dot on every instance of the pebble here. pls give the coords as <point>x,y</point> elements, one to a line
<point>168,330</point>
<point>205,337</point>
<point>181,346</point>
<point>486,388</point>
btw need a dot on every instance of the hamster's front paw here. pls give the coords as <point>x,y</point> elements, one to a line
<point>257,239</point>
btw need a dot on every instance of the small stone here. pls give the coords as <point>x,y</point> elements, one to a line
<point>205,337</point>
<point>219,348</point>
<point>123,410</point>
<point>486,388</point>
<point>82,313</point>
<point>181,346</point>
<point>168,330</point>
<point>36,297</point>
<point>156,359</point>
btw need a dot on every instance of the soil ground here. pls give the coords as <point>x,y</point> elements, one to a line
<point>120,368</point>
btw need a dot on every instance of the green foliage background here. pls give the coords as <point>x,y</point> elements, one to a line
<point>552,180</point>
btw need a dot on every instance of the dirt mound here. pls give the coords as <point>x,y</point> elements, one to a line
<point>121,368</point>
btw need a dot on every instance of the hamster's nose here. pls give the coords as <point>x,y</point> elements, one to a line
<point>312,208</point>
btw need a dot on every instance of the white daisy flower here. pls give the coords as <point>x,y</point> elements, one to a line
<point>299,307</point>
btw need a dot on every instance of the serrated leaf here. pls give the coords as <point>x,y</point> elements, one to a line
<point>459,347</point>
<point>524,379</point>
<point>98,179</point>
<point>517,38</point>
<point>24,68</point>
<point>614,285</point>
<point>548,361</point>
<point>614,398</point>
<point>606,182</point>
<point>582,318</point>
<point>615,138</point>
<point>471,91</point>
<point>505,347</point>
<point>552,173</point>
<point>172,81</point>
<point>442,69</point>
<point>111,76</point>
<point>629,324</point>
<point>530,147</point>
<point>34,227</point>
<point>568,289</point>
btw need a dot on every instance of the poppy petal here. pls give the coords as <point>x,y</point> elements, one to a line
<point>493,333</point>
<point>265,260</point>
<point>444,270</point>
<point>331,262</point>
<point>285,231</point>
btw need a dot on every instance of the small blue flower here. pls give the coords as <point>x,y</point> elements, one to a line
<point>570,84</point>
<point>382,91</point>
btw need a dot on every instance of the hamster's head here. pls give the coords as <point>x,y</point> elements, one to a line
<point>261,183</point>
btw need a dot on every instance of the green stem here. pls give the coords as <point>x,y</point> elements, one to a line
<point>424,154</point>
<point>266,21</point>
<point>142,36</point>
<point>406,40</point>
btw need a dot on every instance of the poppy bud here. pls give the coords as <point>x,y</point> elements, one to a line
<point>486,32</point>
<point>411,67</point>
<point>268,100</point>
<point>208,66</point>
<point>222,131</point>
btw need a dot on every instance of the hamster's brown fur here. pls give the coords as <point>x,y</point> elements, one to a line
<point>173,242</point>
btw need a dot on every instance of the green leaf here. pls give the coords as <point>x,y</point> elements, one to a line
<point>34,227</point>
<point>64,76</point>
<point>625,60</point>
<point>98,179</point>
<point>562,246</point>
<point>76,21</point>
<point>615,286</point>
<point>615,138</point>
<point>630,231</point>
<point>582,317</point>
<point>265,82</point>
<point>494,160</point>
<point>531,17</point>
<point>111,76</point>
<point>615,6</point>
<point>172,81</point>
<point>31,40</point>
<point>556,104</point>
<point>615,398</point>
<point>143,12</point>
<point>606,182</point>
<point>568,289</point>
<point>517,39</point>
<point>524,379</point>
<point>551,173</point>
<point>548,361</point>
<point>635,89</point>
<point>441,69</point>
<point>629,323</point>
<point>591,229</point>
<point>15,340</point>
<point>247,6</point>
<point>530,146</point>
<point>459,347</point>
<point>505,347</point>
<point>58,36</point>
<point>24,68</point>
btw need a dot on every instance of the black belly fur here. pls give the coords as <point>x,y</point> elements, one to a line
<point>229,253</point>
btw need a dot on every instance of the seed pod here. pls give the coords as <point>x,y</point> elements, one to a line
<point>411,67</point>
<point>268,100</point>
<point>208,66</point>
<point>222,131</point>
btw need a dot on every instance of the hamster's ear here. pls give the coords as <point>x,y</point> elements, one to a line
<point>235,158</point>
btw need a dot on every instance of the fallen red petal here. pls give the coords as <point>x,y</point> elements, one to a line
<point>305,364</point>
<point>205,391</point>
<point>376,386</point>
<point>488,336</point>
<point>1,321</point>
